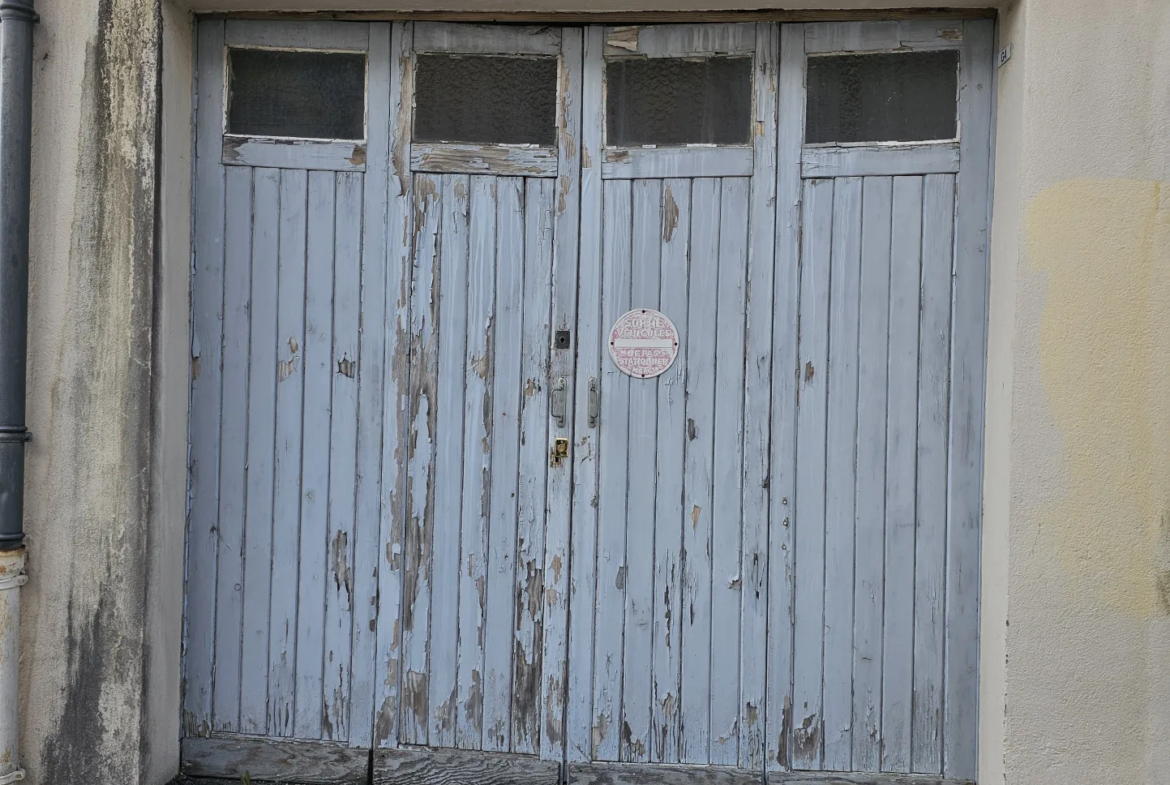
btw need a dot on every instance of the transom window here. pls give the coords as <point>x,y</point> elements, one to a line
<point>678,101</point>
<point>315,95</point>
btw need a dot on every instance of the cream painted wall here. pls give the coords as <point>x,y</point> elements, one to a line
<point>1076,657</point>
<point>1075,672</point>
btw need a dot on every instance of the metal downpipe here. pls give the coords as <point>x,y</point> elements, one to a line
<point>16,54</point>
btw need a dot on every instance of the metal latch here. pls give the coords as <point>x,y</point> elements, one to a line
<point>594,402</point>
<point>560,450</point>
<point>558,402</point>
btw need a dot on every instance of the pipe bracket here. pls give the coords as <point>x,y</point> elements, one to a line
<point>14,433</point>
<point>15,582</point>
<point>12,776</point>
<point>25,12</point>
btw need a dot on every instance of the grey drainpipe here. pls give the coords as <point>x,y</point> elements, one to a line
<point>16,54</point>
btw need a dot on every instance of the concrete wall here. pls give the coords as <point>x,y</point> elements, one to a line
<point>1075,673</point>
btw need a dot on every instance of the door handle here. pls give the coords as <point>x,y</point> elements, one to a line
<point>594,402</point>
<point>558,402</point>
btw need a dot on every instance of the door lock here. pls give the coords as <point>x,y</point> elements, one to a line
<point>560,451</point>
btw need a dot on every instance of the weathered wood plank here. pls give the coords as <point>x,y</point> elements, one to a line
<point>879,160</point>
<point>809,514</point>
<point>343,456</point>
<point>901,456</point>
<point>965,442</point>
<point>382,407</point>
<point>637,685</point>
<point>785,381</point>
<point>644,774</point>
<point>458,767</point>
<point>421,469</point>
<point>507,342</point>
<point>887,35</point>
<point>206,342</point>
<point>261,436</point>
<point>586,456</point>
<point>564,316</point>
<point>317,154</point>
<point>286,496</point>
<point>840,473</point>
<point>533,473</point>
<point>869,520</point>
<point>486,39</point>
<point>297,34</point>
<point>449,496</point>
<point>934,344</point>
<point>727,492</point>
<point>757,408</point>
<point>237,284</point>
<point>483,159</point>
<point>666,661</point>
<point>698,471</point>
<point>479,375</point>
<point>613,425</point>
<point>318,354</point>
<point>681,40</point>
<point>637,163</point>
<point>312,763</point>
<point>841,778</point>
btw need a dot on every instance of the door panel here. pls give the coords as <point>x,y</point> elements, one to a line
<point>492,275</point>
<point>668,649</point>
<point>888,351</point>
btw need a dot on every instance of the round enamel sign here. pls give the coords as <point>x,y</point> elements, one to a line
<point>643,343</point>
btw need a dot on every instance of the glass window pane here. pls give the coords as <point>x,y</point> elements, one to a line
<point>486,99</point>
<point>319,95</point>
<point>676,101</point>
<point>889,97</point>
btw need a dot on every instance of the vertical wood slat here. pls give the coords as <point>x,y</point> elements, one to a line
<point>785,389</point>
<point>237,284</point>
<point>934,339</point>
<point>206,319</point>
<point>343,455</point>
<point>840,473</point>
<point>757,407</point>
<point>901,459</point>
<point>421,469</point>
<point>637,690</point>
<point>809,513</point>
<point>965,442</point>
<point>318,365</point>
<point>727,493</point>
<point>376,596</point>
<point>564,315</point>
<point>666,639</point>
<point>448,496</point>
<point>869,517</point>
<point>479,368</point>
<point>698,472</point>
<point>507,342</point>
<point>533,462</point>
<point>591,355</point>
<point>261,438</point>
<point>286,497</point>
<point>609,615</point>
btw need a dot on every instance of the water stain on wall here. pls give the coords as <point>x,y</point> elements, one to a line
<point>1104,248</point>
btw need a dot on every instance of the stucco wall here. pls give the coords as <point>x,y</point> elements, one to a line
<point>85,643</point>
<point>1077,519</point>
<point>1075,668</point>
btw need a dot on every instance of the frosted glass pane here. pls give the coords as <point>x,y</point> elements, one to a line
<point>888,97</point>
<point>318,95</point>
<point>505,100</point>
<point>676,101</point>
